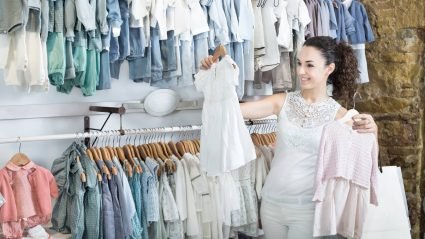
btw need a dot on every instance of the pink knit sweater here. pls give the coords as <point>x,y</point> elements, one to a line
<point>345,153</point>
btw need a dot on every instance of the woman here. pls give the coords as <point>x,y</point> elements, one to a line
<point>287,210</point>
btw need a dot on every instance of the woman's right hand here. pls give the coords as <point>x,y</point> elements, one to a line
<point>207,62</point>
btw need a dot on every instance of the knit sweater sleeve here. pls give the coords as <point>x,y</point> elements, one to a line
<point>374,174</point>
<point>319,189</point>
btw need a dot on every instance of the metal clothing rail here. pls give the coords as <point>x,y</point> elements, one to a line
<point>109,133</point>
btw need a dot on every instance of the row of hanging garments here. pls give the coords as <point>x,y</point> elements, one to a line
<point>345,21</point>
<point>156,190</point>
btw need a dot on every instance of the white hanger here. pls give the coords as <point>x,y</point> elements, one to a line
<point>351,112</point>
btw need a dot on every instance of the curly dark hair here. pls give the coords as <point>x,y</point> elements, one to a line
<point>344,77</point>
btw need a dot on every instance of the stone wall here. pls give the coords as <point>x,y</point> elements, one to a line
<point>395,95</point>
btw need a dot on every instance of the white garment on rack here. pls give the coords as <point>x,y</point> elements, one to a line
<point>271,58</point>
<point>360,53</point>
<point>259,41</point>
<point>180,188</point>
<point>284,37</point>
<point>192,227</point>
<point>226,143</point>
<point>182,17</point>
<point>17,59</point>
<point>198,18</point>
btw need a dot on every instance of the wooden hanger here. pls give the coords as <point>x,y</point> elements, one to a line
<point>265,139</point>
<point>111,151</point>
<point>255,140</point>
<point>105,154</point>
<point>89,154</point>
<point>174,150</point>
<point>142,152</point>
<point>82,175</point>
<point>137,157</point>
<point>219,51</point>
<point>20,159</point>
<point>104,168</point>
<point>148,150</point>
<point>154,151</point>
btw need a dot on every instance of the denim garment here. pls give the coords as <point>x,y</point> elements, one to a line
<point>88,86</point>
<point>107,210</point>
<point>113,187</point>
<point>60,169</point>
<point>140,68</point>
<point>200,49</point>
<point>232,20</point>
<point>86,13</point>
<point>58,18</point>
<point>56,57</point>
<point>171,78</point>
<point>137,43</point>
<point>363,33</point>
<point>136,192</point>
<point>238,57</point>
<point>105,72</point>
<point>106,40</point>
<point>124,38</point>
<point>332,18</point>
<point>128,209</point>
<point>219,23</point>
<point>245,16</point>
<point>345,22</point>
<point>114,50</point>
<point>156,68</point>
<point>51,23</point>
<point>114,14</point>
<point>75,208</point>
<point>69,62</point>
<point>248,54</point>
<point>70,19</point>
<point>94,41</point>
<point>101,16</point>
<point>186,78</point>
<point>92,196</point>
<point>115,68</point>
<point>79,54</point>
<point>44,20</point>
<point>168,53</point>
<point>150,194</point>
<point>136,189</point>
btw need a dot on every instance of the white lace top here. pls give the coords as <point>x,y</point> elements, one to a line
<point>300,129</point>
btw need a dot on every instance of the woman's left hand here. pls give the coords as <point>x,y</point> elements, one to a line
<point>364,123</point>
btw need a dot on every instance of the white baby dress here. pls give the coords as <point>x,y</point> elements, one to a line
<point>225,141</point>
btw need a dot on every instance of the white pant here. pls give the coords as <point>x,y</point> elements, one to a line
<point>287,220</point>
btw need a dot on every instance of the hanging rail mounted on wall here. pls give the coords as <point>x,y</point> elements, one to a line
<point>111,110</point>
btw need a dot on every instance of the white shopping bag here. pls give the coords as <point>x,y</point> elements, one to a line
<point>390,219</point>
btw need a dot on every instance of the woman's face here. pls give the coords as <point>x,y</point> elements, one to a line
<point>312,69</point>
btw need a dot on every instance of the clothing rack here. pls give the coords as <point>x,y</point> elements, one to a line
<point>109,133</point>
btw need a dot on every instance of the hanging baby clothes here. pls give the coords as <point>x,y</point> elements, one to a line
<point>226,144</point>
<point>362,35</point>
<point>347,168</point>
<point>27,191</point>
